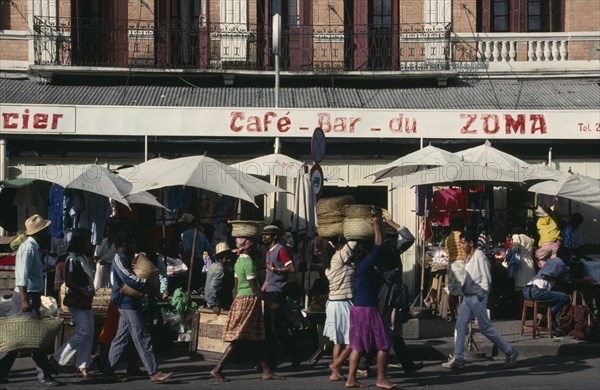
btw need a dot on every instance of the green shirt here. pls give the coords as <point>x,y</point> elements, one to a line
<point>245,270</point>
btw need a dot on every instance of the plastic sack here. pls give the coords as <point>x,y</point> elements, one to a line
<point>49,307</point>
<point>6,307</point>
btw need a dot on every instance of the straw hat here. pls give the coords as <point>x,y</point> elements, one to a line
<point>35,223</point>
<point>221,249</point>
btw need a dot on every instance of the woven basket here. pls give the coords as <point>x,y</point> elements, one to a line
<point>336,203</point>
<point>329,221</point>
<point>330,230</point>
<point>130,291</point>
<point>144,268</point>
<point>28,334</point>
<point>250,229</point>
<point>361,211</point>
<point>356,229</point>
<point>331,216</point>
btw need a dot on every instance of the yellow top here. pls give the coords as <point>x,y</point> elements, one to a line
<point>548,230</point>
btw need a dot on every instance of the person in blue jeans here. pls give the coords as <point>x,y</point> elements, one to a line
<point>539,289</point>
<point>476,288</point>
<point>27,297</point>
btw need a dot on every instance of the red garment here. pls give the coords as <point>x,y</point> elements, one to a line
<point>111,324</point>
<point>425,230</point>
<point>451,202</point>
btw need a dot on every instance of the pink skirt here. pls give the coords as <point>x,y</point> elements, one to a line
<point>367,330</point>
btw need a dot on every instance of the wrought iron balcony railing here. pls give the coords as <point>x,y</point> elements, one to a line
<point>218,46</point>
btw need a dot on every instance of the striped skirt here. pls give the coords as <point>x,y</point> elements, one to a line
<point>245,320</point>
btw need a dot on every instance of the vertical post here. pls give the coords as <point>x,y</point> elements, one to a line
<point>423,247</point>
<point>274,181</point>
<point>277,53</point>
<point>146,148</point>
<point>2,169</point>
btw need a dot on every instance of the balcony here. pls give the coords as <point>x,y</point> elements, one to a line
<point>406,50</point>
<point>219,47</point>
<point>528,54</point>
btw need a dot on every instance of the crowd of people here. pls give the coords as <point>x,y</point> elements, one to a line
<point>366,306</point>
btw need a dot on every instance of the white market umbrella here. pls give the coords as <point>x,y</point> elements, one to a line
<point>580,188</point>
<point>304,219</point>
<point>459,174</point>
<point>96,179</point>
<point>489,156</point>
<point>275,164</point>
<point>200,172</point>
<point>425,158</point>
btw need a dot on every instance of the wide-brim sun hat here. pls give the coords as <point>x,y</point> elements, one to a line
<point>222,248</point>
<point>35,223</point>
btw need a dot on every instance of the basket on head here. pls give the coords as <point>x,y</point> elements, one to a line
<point>356,229</point>
<point>250,229</point>
<point>336,203</point>
<point>330,230</point>
<point>361,211</point>
<point>28,333</point>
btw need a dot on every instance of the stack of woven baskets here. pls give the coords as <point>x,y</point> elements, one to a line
<point>248,229</point>
<point>329,214</point>
<point>357,221</point>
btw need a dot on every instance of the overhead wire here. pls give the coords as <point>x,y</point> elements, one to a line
<point>466,9</point>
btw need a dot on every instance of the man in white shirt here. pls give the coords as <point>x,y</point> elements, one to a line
<point>476,289</point>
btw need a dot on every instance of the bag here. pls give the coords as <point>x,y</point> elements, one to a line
<point>130,291</point>
<point>577,319</point>
<point>77,301</point>
<point>24,333</point>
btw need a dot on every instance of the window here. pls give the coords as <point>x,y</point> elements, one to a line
<point>500,14</point>
<point>538,15</point>
<point>234,11</point>
<point>520,15</point>
<point>382,13</point>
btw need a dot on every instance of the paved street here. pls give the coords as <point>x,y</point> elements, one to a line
<point>554,372</point>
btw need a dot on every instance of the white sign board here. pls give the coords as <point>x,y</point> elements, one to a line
<point>269,122</point>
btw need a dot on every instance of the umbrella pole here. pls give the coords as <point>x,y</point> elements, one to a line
<point>191,267</point>
<point>275,200</point>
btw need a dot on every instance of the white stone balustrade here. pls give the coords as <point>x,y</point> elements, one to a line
<point>516,47</point>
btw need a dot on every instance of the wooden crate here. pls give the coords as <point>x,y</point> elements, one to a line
<point>210,331</point>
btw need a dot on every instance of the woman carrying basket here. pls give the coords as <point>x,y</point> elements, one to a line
<point>245,319</point>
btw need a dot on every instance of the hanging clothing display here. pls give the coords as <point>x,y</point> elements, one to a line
<point>449,203</point>
<point>96,210</point>
<point>55,211</point>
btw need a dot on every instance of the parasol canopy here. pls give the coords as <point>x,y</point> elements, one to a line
<point>489,156</point>
<point>96,179</point>
<point>200,172</point>
<point>275,164</point>
<point>425,158</point>
<point>461,173</point>
<point>580,188</point>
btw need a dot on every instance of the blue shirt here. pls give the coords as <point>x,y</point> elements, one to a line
<point>366,283</point>
<point>122,273</point>
<point>202,244</point>
<point>29,268</point>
